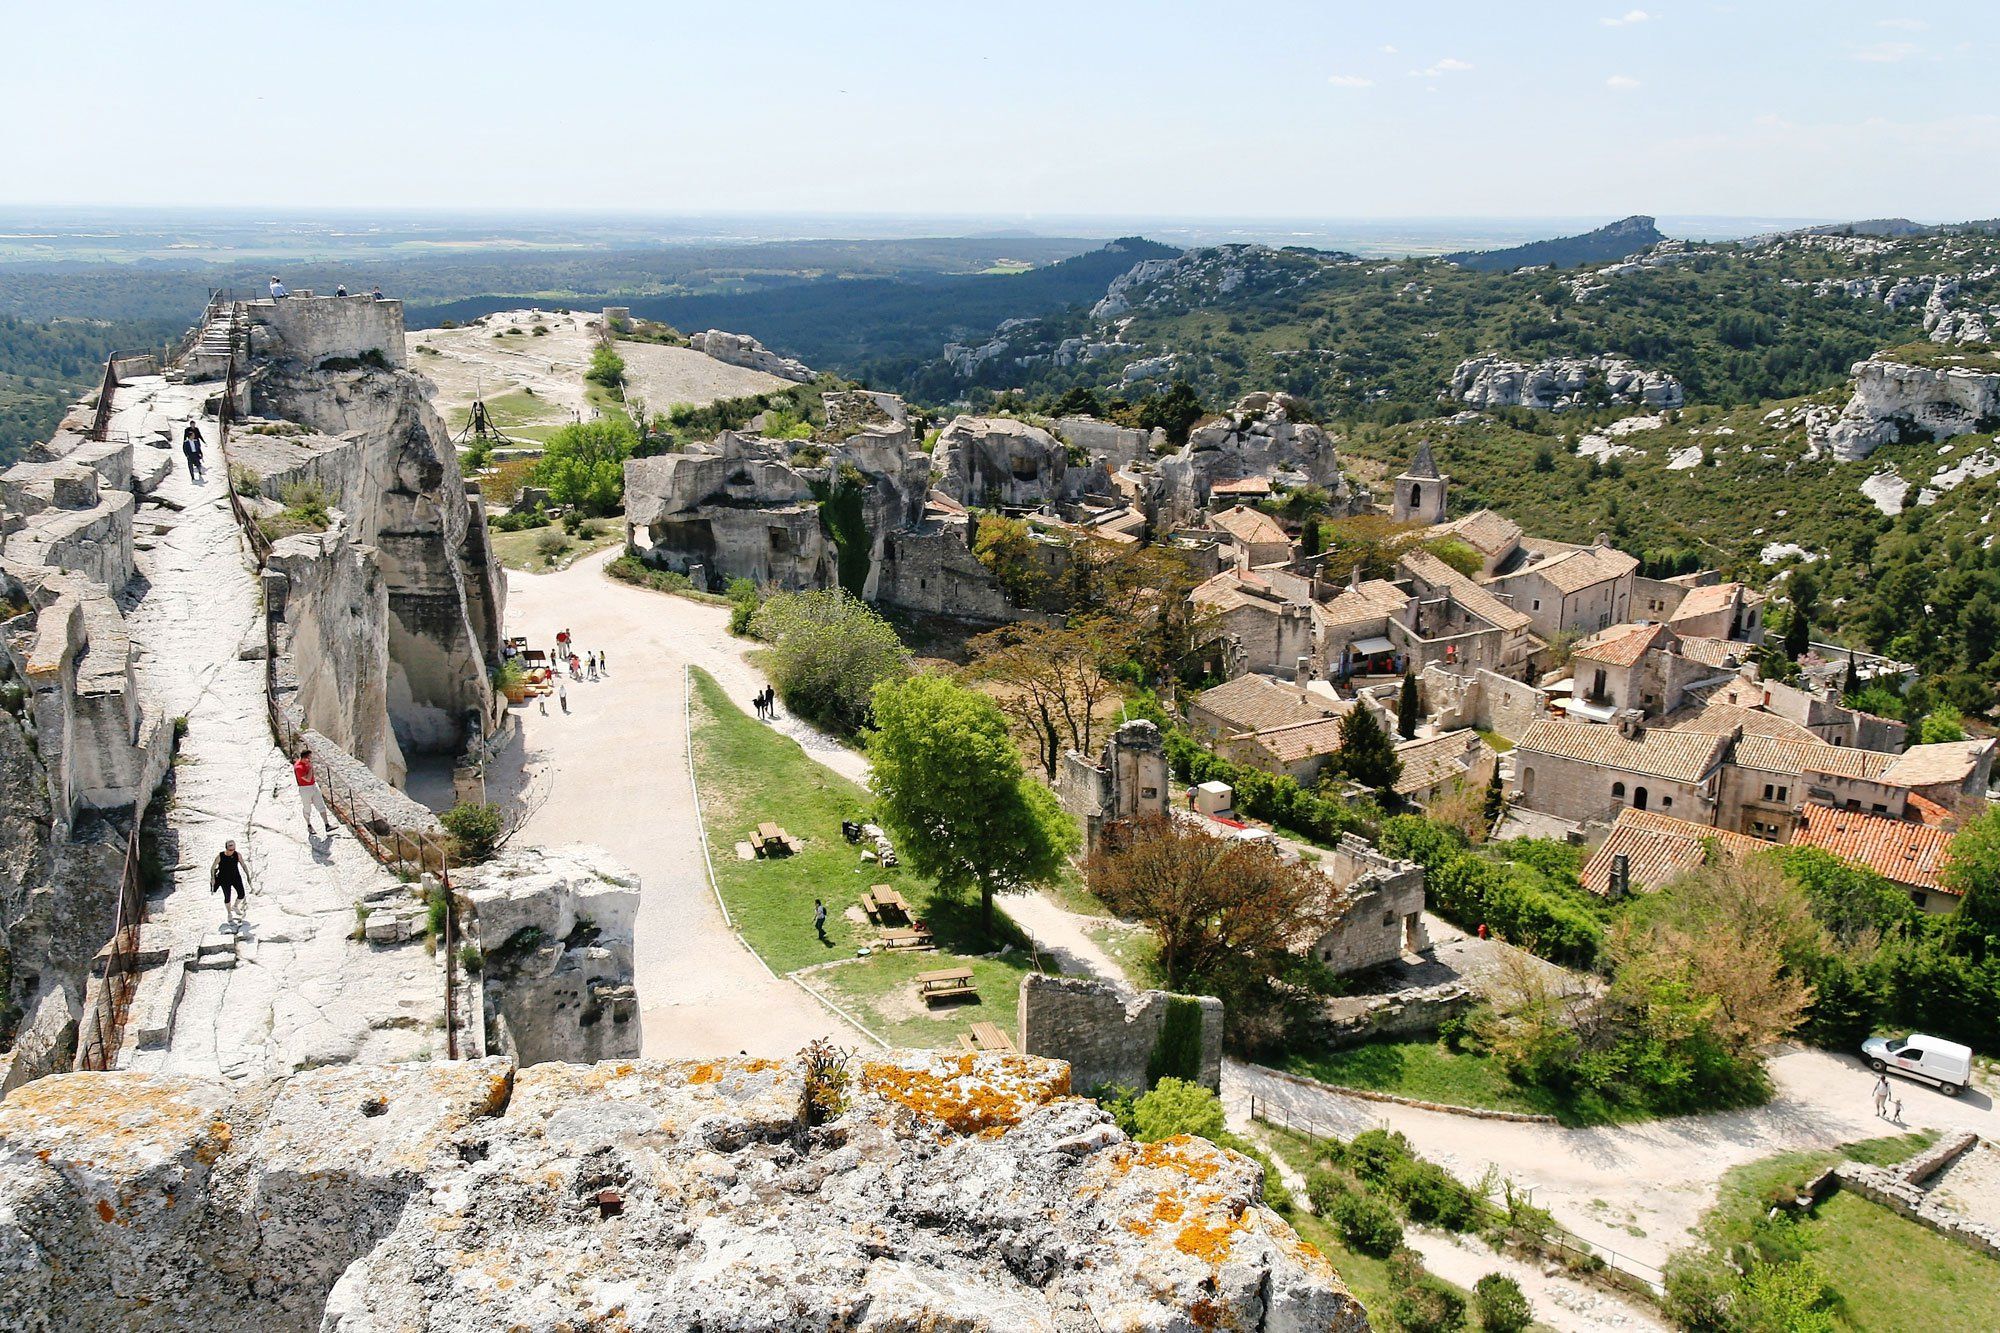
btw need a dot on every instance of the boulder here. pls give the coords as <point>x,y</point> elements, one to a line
<point>1560,383</point>
<point>740,349</point>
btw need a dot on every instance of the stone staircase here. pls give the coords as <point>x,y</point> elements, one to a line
<point>208,359</point>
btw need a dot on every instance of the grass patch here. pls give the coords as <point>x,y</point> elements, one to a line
<point>749,773</point>
<point>1744,1193</point>
<point>1496,742</point>
<point>1428,1071</point>
<point>1134,948</point>
<point>512,413</point>
<point>631,569</point>
<point>528,548</point>
<point>1895,1276</point>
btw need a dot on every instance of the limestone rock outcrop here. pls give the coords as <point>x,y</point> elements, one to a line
<point>1892,401</point>
<point>1564,382</point>
<point>997,462</point>
<point>740,349</point>
<point>1261,436</point>
<point>939,1192</point>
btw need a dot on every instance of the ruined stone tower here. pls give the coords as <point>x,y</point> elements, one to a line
<point>1420,491</point>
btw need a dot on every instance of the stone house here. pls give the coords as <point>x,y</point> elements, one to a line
<point>1258,628</point>
<point>1951,777</point>
<point>1255,703</point>
<point>1258,538</point>
<point>1436,765</point>
<point>1496,539</point>
<point>1721,611</point>
<point>1902,851</point>
<point>1562,588</point>
<point>1582,771</point>
<point>1354,629</point>
<point>1645,849</point>
<point>1633,666</point>
<point>1482,699</point>
<point>1129,780</point>
<point>1458,623</point>
<point>1298,750</point>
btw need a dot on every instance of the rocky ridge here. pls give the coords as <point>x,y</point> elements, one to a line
<point>919,1191</point>
<point>740,349</point>
<point>1559,384</point>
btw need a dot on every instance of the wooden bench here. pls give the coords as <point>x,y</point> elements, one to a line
<point>883,903</point>
<point>911,938</point>
<point>989,1037</point>
<point>945,983</point>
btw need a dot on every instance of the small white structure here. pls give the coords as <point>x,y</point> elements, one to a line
<point>1214,798</point>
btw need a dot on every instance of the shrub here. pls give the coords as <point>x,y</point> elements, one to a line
<point>1422,1303</point>
<point>475,827</point>
<point>1325,1190</point>
<point>743,603</point>
<point>470,958</point>
<point>1374,1153</point>
<point>1175,1106</point>
<point>1501,1307</point>
<point>1429,1193</point>
<point>551,544</point>
<point>829,651</point>
<point>1367,1224</point>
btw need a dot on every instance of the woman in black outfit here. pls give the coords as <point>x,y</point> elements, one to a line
<point>230,875</point>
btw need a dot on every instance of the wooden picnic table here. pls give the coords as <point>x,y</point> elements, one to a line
<point>989,1037</point>
<point>910,938</point>
<point>770,839</point>
<point>881,899</point>
<point>945,981</point>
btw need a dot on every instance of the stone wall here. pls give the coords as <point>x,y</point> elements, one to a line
<point>1355,1020</point>
<point>328,609</point>
<point>947,1193</point>
<point>933,571</point>
<point>1901,1190</point>
<point>1107,1036</point>
<point>1381,905</point>
<point>313,329</point>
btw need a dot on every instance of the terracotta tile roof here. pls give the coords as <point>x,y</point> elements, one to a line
<point>1719,719</point>
<point>1255,703</point>
<point>1437,574</point>
<point>1658,847</point>
<point>1909,853</point>
<point>1583,568</point>
<point>1623,645</point>
<point>1242,486</point>
<point>1677,756</point>
<point>1249,525</point>
<point>1924,810</point>
<point>1713,598</point>
<point>1371,599</point>
<point>1776,754</point>
<point>1725,653</point>
<point>1300,740</point>
<point>1931,765</point>
<point>1229,591</point>
<point>1848,761</point>
<point>1435,759</point>
<point>1483,530</point>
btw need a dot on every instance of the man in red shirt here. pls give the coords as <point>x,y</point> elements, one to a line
<point>309,793</point>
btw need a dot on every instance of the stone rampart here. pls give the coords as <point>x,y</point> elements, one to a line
<point>1109,1038</point>
<point>315,329</point>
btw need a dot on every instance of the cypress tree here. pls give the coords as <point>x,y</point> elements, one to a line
<point>1367,755</point>
<point>1408,711</point>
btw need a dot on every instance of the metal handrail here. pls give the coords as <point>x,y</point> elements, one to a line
<point>1649,1281</point>
<point>395,847</point>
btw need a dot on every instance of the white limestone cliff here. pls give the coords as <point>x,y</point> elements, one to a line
<point>1893,400</point>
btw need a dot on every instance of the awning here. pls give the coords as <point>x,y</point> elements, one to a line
<point>1585,709</point>
<point>1374,647</point>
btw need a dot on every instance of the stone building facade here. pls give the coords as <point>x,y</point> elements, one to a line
<point>1381,914</point>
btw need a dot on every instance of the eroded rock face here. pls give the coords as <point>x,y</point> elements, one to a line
<point>740,349</point>
<point>949,1193</point>
<point>1260,437</point>
<point>1565,382</point>
<point>999,462</point>
<point>1892,401</point>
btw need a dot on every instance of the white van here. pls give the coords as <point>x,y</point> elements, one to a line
<point>1933,1059</point>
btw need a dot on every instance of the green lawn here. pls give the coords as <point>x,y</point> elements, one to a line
<point>1895,1276</point>
<point>519,550</point>
<point>748,773</point>
<point>1426,1070</point>
<point>519,414</point>
<point>1741,1196</point>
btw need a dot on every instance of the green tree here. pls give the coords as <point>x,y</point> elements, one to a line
<point>949,781</point>
<point>1311,540</point>
<point>607,368</point>
<point>583,464</point>
<point>1803,594</point>
<point>1972,868</point>
<point>1175,411</point>
<point>1077,402</point>
<point>828,653</point>
<point>1366,753</point>
<point>1496,798</point>
<point>1176,1106</point>
<point>1851,684</point>
<point>1409,708</point>
<point>1941,725</point>
<point>1501,1307</point>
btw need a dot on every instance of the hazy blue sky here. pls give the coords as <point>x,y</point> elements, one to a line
<point>1248,108</point>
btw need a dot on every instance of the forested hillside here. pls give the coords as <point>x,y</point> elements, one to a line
<point>44,366</point>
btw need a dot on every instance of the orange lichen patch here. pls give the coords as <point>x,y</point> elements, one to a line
<point>122,1124</point>
<point>1289,1242</point>
<point>1208,1241</point>
<point>106,1212</point>
<point>969,1094</point>
<point>1177,1154</point>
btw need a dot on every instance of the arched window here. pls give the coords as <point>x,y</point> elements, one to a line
<point>1638,798</point>
<point>1527,782</point>
<point>1617,791</point>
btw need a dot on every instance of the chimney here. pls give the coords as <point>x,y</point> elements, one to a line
<point>1303,673</point>
<point>1621,875</point>
<point>1354,577</point>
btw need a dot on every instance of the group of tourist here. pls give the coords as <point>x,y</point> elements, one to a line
<point>229,874</point>
<point>279,291</point>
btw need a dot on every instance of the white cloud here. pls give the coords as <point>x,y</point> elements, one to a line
<point>1626,19</point>
<point>1388,50</point>
<point>1449,65</point>
<point>1905,25</point>
<point>1349,81</point>
<point>1886,53</point>
<point>1621,82</point>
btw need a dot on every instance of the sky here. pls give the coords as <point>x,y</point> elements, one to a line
<point>1251,108</point>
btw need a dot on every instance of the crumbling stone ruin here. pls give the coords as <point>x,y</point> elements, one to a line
<point>1128,780</point>
<point>1112,1039</point>
<point>740,349</point>
<point>910,1190</point>
<point>1381,908</point>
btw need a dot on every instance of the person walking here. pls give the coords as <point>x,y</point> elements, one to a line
<point>819,920</point>
<point>1881,1095</point>
<point>310,795</point>
<point>562,695</point>
<point>590,666</point>
<point>191,449</point>
<point>229,876</point>
<point>602,668</point>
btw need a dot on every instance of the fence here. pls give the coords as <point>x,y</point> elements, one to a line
<point>102,1029</point>
<point>408,852</point>
<point>1633,1275</point>
<point>107,389</point>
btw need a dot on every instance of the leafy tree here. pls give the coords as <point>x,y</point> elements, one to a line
<point>1051,680</point>
<point>583,464</point>
<point>1409,708</point>
<point>1311,540</point>
<point>1458,554</point>
<point>1008,549</point>
<point>1972,868</point>
<point>950,788</point>
<point>1366,754</point>
<point>1221,909</point>
<point>1500,1305</point>
<point>1942,724</point>
<point>829,651</point>
<point>1176,1106</point>
<point>1077,402</point>
<point>1174,411</point>
<point>607,368</point>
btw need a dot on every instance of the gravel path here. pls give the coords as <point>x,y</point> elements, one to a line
<point>1653,1179</point>
<point>613,771</point>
